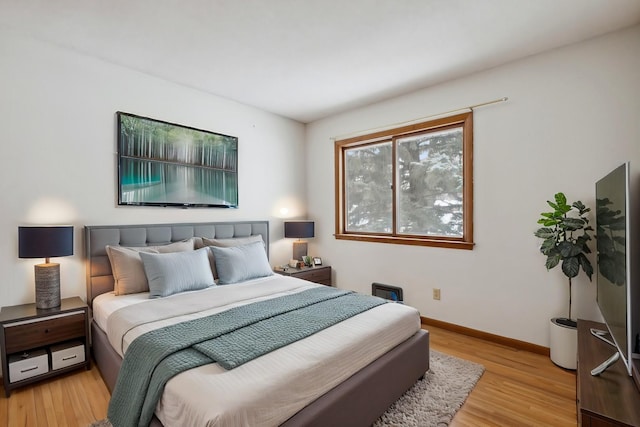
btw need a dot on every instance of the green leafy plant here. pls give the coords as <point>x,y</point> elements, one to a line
<point>566,236</point>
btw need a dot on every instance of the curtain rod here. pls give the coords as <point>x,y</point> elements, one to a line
<point>391,126</point>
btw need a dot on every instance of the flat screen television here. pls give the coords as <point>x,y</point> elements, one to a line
<point>165,164</point>
<point>614,285</point>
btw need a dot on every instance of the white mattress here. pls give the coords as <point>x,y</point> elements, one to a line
<point>270,389</point>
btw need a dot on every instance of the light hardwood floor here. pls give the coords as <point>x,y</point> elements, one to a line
<point>518,388</point>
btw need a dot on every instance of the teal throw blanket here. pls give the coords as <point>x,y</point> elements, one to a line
<point>230,338</point>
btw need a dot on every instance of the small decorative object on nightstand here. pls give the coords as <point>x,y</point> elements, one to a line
<point>321,274</point>
<point>30,337</point>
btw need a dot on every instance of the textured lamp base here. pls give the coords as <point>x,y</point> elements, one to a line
<point>47,285</point>
<point>299,250</point>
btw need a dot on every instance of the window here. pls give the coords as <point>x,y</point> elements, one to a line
<point>409,185</point>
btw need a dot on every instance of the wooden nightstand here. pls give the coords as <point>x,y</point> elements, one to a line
<point>41,343</point>
<point>320,274</point>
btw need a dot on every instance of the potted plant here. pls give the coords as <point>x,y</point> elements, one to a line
<point>565,231</point>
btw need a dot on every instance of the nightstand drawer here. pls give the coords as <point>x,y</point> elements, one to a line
<point>28,365</point>
<point>32,333</point>
<point>68,354</point>
<point>321,275</point>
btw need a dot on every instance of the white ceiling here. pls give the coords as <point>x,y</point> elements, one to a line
<point>308,59</point>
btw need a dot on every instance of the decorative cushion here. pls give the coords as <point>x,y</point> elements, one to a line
<point>126,266</point>
<point>228,243</point>
<point>240,263</point>
<point>170,273</point>
<point>181,246</point>
<point>127,269</point>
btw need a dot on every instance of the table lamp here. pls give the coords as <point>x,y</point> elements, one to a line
<point>299,230</point>
<point>46,242</point>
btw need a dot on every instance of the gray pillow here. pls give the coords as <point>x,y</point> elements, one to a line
<point>235,241</point>
<point>227,243</point>
<point>179,246</point>
<point>127,269</point>
<point>240,263</point>
<point>170,273</point>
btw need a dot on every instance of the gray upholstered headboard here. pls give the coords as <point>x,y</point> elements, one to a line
<point>99,277</point>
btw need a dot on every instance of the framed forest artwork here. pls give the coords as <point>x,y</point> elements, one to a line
<point>165,164</point>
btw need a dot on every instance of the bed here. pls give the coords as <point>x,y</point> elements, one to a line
<point>355,395</point>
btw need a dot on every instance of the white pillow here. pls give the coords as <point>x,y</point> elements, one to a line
<point>170,273</point>
<point>240,263</point>
<point>126,266</point>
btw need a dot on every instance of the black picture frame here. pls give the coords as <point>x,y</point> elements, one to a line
<point>317,260</point>
<point>166,164</point>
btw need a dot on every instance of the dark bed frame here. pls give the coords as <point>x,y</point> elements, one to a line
<point>358,401</point>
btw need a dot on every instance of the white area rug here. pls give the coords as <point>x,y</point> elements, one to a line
<point>434,400</point>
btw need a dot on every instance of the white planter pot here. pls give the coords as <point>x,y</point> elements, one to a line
<point>563,343</point>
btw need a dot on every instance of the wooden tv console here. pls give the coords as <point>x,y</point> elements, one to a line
<point>611,399</point>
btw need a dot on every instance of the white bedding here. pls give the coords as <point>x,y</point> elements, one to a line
<point>270,389</point>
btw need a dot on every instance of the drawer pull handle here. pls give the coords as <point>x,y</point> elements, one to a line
<point>22,371</point>
<point>46,331</point>
<point>69,357</point>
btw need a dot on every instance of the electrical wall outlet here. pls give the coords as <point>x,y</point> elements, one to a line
<point>436,294</point>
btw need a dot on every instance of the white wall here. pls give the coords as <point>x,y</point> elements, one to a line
<point>58,161</point>
<point>572,116</point>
